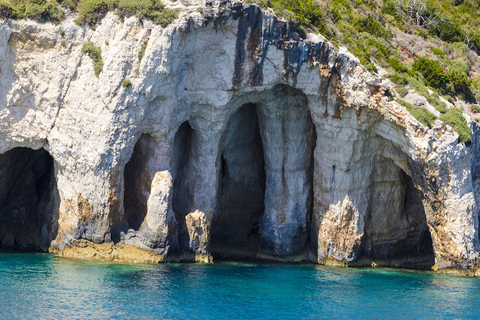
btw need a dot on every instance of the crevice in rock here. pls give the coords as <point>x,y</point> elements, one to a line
<point>29,200</point>
<point>396,231</point>
<point>137,183</point>
<point>183,170</point>
<point>241,192</point>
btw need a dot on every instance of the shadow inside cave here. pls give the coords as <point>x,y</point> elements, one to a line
<point>29,200</point>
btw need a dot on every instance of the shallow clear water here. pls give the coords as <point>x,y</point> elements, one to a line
<point>42,286</point>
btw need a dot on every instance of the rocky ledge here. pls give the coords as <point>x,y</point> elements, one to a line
<point>233,138</point>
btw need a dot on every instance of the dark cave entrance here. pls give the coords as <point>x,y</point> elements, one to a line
<point>396,230</point>
<point>28,200</point>
<point>137,182</point>
<point>183,171</point>
<point>235,226</point>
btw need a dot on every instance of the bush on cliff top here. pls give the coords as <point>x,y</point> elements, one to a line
<point>89,11</point>
<point>38,10</point>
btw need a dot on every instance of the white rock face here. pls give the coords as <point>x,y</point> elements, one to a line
<point>350,177</point>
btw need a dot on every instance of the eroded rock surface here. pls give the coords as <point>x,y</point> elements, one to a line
<point>237,139</point>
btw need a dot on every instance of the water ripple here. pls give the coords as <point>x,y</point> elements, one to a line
<point>41,286</point>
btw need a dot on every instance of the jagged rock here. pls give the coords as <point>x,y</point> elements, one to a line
<point>237,139</point>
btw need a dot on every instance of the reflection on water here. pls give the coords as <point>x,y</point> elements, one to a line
<point>39,285</point>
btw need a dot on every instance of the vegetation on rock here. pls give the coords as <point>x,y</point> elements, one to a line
<point>126,83</point>
<point>423,116</point>
<point>455,118</point>
<point>141,52</point>
<point>38,10</point>
<point>298,12</point>
<point>95,53</point>
<point>89,11</point>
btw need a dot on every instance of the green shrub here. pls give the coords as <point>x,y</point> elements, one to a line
<point>454,81</point>
<point>461,84</point>
<point>435,101</point>
<point>433,98</point>
<point>423,116</point>
<point>475,108</point>
<point>302,32</point>
<point>6,10</point>
<point>371,25</point>
<point>438,52</point>
<point>95,53</point>
<point>401,90</point>
<point>140,8</point>
<point>303,12</point>
<point>38,10</point>
<point>450,99</point>
<point>454,117</point>
<point>421,33</point>
<point>449,31</point>
<point>431,70</point>
<point>397,65</point>
<point>375,43</point>
<point>460,46</point>
<point>399,80</point>
<point>126,83</point>
<point>390,7</point>
<point>63,43</point>
<point>336,14</point>
<point>141,52</point>
<point>364,56</point>
<point>92,11</point>
<point>165,17</point>
<point>459,65</point>
<point>62,33</point>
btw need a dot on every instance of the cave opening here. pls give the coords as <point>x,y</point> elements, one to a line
<point>396,230</point>
<point>184,154</point>
<point>241,196</point>
<point>137,182</point>
<point>29,200</point>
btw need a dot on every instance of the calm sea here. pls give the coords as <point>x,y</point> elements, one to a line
<point>34,286</point>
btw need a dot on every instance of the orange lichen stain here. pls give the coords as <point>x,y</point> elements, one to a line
<point>84,249</point>
<point>114,203</point>
<point>85,213</point>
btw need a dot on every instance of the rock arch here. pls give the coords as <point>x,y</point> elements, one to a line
<point>396,233</point>
<point>278,228</point>
<point>29,199</point>
<point>241,194</point>
<point>137,179</point>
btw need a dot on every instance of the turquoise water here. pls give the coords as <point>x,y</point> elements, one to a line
<point>42,286</point>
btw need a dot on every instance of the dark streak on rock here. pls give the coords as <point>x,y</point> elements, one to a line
<point>239,51</point>
<point>255,34</point>
<point>256,48</point>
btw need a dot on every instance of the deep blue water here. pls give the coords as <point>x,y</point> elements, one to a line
<point>36,286</point>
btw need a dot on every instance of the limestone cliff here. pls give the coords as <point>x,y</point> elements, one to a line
<point>236,139</point>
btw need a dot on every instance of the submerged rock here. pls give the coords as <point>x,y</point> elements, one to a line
<point>236,139</point>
